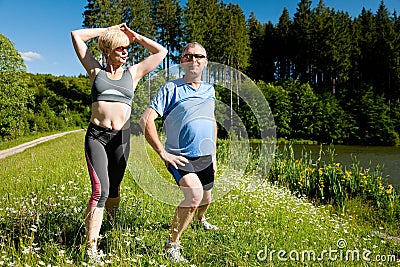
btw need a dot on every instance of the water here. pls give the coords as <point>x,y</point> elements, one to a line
<point>368,156</point>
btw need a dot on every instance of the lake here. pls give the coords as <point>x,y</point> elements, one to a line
<point>368,156</point>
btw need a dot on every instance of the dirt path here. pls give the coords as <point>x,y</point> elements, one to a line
<point>13,150</point>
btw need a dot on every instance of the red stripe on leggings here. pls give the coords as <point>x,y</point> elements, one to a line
<point>96,186</point>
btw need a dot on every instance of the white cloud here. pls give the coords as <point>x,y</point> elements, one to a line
<point>30,56</point>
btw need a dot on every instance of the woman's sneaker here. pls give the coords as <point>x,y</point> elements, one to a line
<point>173,252</point>
<point>94,255</point>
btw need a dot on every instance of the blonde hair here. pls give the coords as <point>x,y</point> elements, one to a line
<point>112,39</point>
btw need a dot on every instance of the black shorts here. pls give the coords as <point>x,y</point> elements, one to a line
<point>201,166</point>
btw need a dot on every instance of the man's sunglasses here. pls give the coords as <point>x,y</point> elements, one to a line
<point>191,56</point>
<point>121,48</point>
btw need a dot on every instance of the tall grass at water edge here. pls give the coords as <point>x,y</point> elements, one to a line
<point>320,178</point>
<point>45,189</point>
<point>327,181</point>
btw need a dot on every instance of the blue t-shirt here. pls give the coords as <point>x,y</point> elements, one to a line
<point>188,117</point>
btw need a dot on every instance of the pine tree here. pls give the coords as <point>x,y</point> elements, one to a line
<point>336,49</point>
<point>167,17</point>
<point>284,46</point>
<point>101,13</point>
<point>367,44</point>
<point>384,51</point>
<point>137,15</point>
<point>256,36</point>
<point>302,30</point>
<point>235,39</point>
<point>201,25</point>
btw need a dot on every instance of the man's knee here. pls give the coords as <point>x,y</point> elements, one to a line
<point>197,198</point>
<point>193,198</point>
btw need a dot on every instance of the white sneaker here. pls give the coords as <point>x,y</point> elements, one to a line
<point>94,255</point>
<point>206,225</point>
<point>174,254</point>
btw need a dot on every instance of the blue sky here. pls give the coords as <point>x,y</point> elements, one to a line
<point>40,30</point>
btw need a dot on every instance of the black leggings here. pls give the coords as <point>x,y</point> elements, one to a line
<point>107,153</point>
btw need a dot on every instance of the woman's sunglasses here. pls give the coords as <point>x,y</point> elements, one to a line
<point>122,48</point>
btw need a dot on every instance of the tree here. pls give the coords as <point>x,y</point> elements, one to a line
<point>284,46</point>
<point>304,106</point>
<point>14,93</point>
<point>167,17</point>
<point>10,58</point>
<point>256,36</point>
<point>235,39</point>
<point>386,53</point>
<point>201,20</point>
<point>101,13</point>
<point>374,122</point>
<point>302,31</point>
<point>269,59</point>
<point>138,16</point>
<point>281,107</point>
<point>336,49</point>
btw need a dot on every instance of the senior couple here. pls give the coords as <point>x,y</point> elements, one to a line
<point>187,106</point>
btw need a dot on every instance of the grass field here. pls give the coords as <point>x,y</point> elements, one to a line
<point>44,191</point>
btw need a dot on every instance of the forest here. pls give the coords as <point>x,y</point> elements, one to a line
<point>328,77</point>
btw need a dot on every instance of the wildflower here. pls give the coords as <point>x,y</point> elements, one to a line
<point>390,189</point>
<point>33,228</point>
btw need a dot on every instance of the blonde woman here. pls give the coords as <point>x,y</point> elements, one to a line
<point>108,135</point>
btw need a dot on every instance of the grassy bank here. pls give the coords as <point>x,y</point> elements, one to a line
<point>45,189</point>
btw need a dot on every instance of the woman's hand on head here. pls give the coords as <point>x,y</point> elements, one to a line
<point>125,29</point>
<point>132,35</point>
<point>117,27</point>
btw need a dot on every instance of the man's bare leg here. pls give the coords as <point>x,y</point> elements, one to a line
<point>193,192</point>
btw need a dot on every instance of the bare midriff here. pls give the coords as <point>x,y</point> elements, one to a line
<point>113,115</point>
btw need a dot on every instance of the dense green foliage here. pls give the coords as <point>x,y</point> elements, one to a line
<point>14,92</point>
<point>38,103</point>
<point>59,102</point>
<point>327,76</point>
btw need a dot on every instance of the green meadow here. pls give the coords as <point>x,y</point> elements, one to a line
<point>44,191</point>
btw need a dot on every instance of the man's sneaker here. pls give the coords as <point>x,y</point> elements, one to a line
<point>173,252</point>
<point>206,225</point>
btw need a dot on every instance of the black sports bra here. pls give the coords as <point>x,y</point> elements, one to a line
<point>106,89</point>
